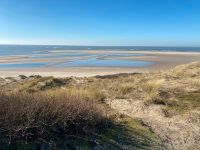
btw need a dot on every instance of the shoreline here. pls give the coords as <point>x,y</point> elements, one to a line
<point>160,60</point>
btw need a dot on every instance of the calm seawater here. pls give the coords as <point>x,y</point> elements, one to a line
<point>90,60</point>
<point>31,49</point>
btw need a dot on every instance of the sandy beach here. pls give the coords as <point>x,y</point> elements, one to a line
<point>159,60</point>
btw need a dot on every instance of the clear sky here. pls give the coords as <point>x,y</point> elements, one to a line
<point>101,22</point>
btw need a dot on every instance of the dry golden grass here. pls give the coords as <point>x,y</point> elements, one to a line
<point>151,89</point>
<point>185,71</point>
<point>41,106</point>
<point>194,82</point>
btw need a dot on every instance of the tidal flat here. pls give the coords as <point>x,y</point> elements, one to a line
<point>61,63</point>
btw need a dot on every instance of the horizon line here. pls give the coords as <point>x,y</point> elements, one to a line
<point>93,45</point>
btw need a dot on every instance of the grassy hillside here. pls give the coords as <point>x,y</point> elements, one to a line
<point>86,113</point>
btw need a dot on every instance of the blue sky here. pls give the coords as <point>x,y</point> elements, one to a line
<point>101,22</point>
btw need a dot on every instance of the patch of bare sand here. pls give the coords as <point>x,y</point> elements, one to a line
<point>177,132</point>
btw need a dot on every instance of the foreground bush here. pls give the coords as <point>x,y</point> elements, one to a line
<point>31,117</point>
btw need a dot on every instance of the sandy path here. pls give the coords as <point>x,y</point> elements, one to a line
<point>176,132</point>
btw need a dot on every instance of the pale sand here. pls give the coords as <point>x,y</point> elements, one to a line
<point>161,60</point>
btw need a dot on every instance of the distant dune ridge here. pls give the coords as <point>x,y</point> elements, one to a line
<point>157,110</point>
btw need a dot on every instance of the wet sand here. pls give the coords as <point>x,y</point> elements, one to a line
<point>161,61</point>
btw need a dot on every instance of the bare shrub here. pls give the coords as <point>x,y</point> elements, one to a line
<point>29,117</point>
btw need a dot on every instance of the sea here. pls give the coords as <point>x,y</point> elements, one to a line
<point>29,49</point>
<point>91,60</point>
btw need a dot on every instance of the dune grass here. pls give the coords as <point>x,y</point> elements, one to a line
<point>67,119</point>
<point>162,88</point>
<point>48,109</point>
<point>184,103</point>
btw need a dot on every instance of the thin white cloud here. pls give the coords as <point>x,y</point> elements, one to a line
<point>105,42</point>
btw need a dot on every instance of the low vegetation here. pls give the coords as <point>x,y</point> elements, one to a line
<point>43,116</point>
<point>67,119</point>
<point>48,110</point>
